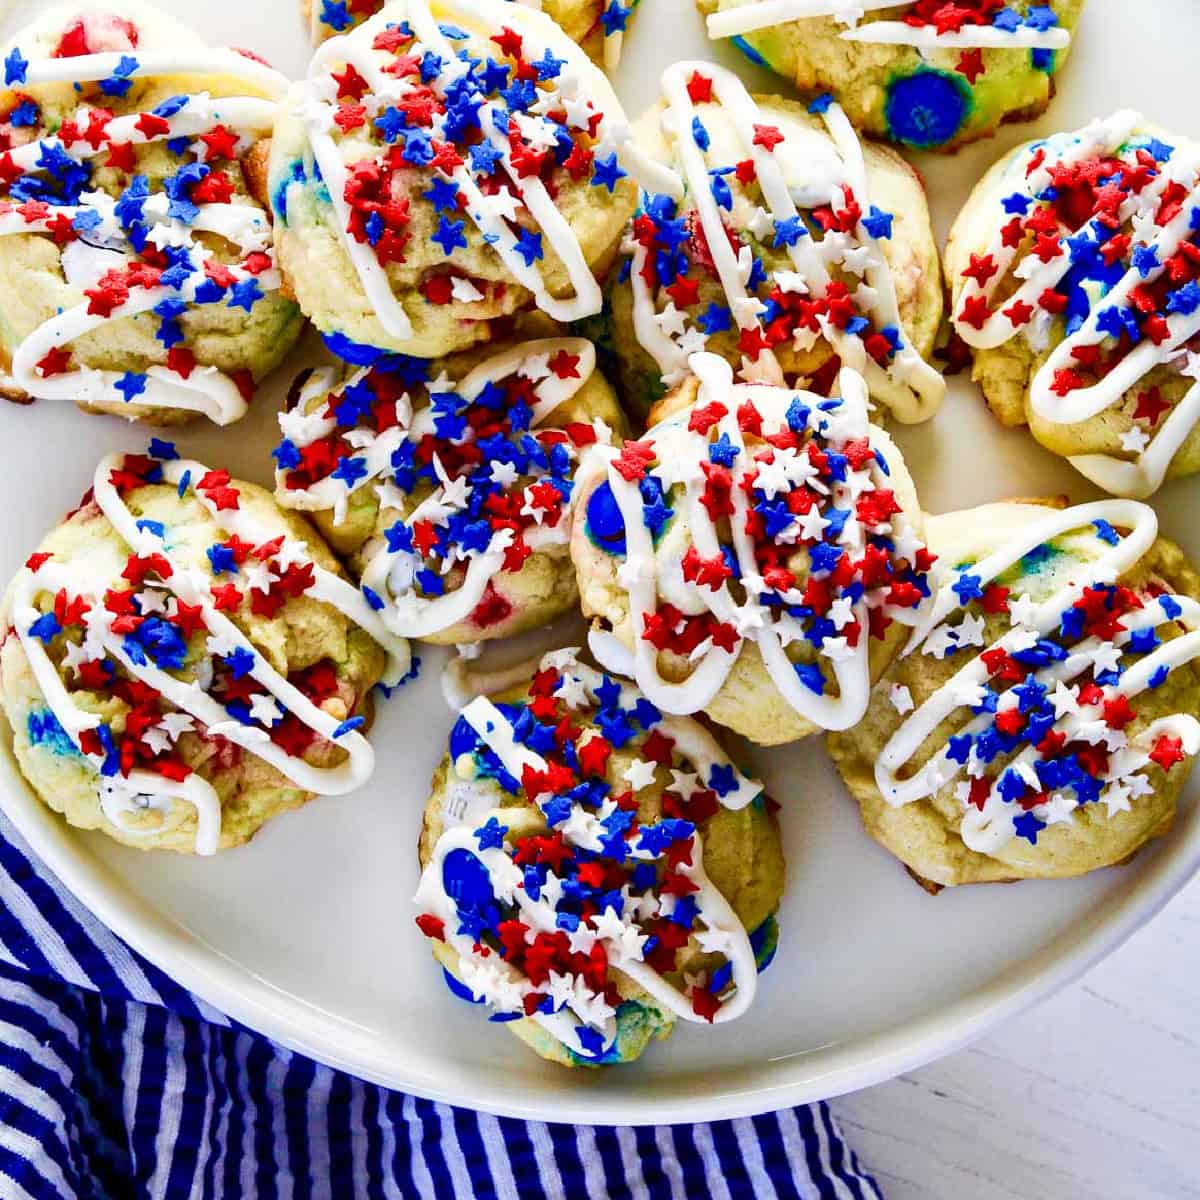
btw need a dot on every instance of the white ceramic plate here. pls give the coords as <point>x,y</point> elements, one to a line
<point>307,933</point>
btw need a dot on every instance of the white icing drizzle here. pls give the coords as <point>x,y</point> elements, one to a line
<point>194,587</point>
<point>765,14</point>
<point>502,984</point>
<point>989,829</point>
<point>580,78</point>
<point>206,389</point>
<point>1143,475</point>
<point>649,570</point>
<point>390,573</point>
<point>818,172</point>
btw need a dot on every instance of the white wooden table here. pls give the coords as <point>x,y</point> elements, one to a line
<point>1094,1095</point>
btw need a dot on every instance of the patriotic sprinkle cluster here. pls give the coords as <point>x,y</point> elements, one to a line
<point>162,639</point>
<point>764,256</point>
<point>338,16</point>
<point>795,540</point>
<point>480,472</point>
<point>970,25</point>
<point>484,141</point>
<point>132,246</point>
<point>542,911</point>
<point>1098,257</point>
<point>1048,713</point>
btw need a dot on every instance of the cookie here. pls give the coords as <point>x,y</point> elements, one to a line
<point>137,275</point>
<point>1075,273</point>
<point>932,75</point>
<point>448,487</point>
<point>1041,722</point>
<point>598,26</point>
<point>183,660</point>
<point>430,181</point>
<point>595,871</point>
<point>756,556</point>
<point>772,237</point>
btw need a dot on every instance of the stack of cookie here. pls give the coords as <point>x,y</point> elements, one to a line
<point>645,372</point>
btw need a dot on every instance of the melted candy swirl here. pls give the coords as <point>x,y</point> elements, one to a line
<point>543,903</point>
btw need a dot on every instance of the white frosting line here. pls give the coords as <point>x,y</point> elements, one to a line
<point>88,68</point>
<point>970,37</point>
<point>765,14</point>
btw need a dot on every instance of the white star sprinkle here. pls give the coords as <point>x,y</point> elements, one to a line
<point>639,774</point>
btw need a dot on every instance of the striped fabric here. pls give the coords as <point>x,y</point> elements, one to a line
<point>116,1084</point>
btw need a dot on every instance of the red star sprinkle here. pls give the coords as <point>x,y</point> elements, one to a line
<point>981,269</point>
<point>1150,406</point>
<point>1167,752</point>
<point>55,362</point>
<point>151,126</point>
<point>684,292</point>
<point>975,312</point>
<point>121,157</point>
<point>634,460</point>
<point>181,360</point>
<point>1019,313</point>
<point>219,142</point>
<point>509,42</point>
<point>699,88</point>
<point>350,116</point>
<point>705,416</point>
<point>564,365</point>
<point>971,65</point>
<point>767,136</point>
<point>995,599</point>
<point>349,83</point>
<point>704,1004</point>
<point>432,927</point>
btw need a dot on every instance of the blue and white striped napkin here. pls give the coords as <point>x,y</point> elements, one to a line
<point>116,1084</point>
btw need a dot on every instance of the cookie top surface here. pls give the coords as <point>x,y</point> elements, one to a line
<point>597,25</point>
<point>1083,247</point>
<point>440,478</point>
<point>180,610</point>
<point>761,234</point>
<point>138,265</point>
<point>1049,697</point>
<point>756,516</point>
<point>606,860</point>
<point>932,75</point>
<point>466,143</point>
<point>927,24</point>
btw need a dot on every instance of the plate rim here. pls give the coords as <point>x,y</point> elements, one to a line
<point>798,1078</point>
